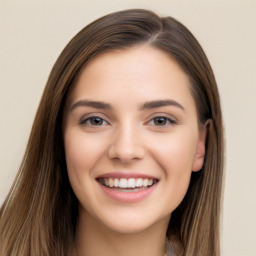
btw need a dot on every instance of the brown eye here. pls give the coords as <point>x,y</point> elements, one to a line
<point>162,121</point>
<point>94,121</point>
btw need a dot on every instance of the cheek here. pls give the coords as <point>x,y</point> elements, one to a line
<point>176,155</point>
<point>177,162</point>
<point>82,151</point>
<point>82,154</point>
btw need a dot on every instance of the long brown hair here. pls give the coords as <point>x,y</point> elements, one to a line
<point>39,215</point>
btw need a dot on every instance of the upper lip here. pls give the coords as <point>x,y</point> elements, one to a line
<point>126,175</point>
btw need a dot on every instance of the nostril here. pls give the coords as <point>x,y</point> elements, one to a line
<point>126,144</point>
<point>126,153</point>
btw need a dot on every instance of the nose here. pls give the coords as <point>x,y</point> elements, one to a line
<point>126,145</point>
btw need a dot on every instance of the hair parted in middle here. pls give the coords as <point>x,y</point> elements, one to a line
<point>48,216</point>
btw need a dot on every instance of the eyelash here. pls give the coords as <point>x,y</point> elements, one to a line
<point>167,121</point>
<point>89,119</point>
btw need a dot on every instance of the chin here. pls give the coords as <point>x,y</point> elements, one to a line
<point>131,223</point>
<point>129,228</point>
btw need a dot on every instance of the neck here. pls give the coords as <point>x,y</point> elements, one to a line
<point>94,238</point>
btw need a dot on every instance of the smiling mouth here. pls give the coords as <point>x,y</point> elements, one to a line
<point>127,185</point>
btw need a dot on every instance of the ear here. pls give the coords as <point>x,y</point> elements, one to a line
<point>200,152</point>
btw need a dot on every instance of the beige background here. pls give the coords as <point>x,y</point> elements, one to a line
<point>33,33</point>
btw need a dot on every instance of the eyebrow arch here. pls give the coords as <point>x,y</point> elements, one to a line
<point>161,103</point>
<point>94,104</point>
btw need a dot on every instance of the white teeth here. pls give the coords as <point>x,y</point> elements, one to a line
<point>139,183</point>
<point>145,182</point>
<point>110,183</point>
<point>106,182</point>
<point>123,183</point>
<point>116,183</point>
<point>131,183</point>
<point>127,183</point>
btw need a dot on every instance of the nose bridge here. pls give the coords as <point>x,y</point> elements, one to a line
<point>126,143</point>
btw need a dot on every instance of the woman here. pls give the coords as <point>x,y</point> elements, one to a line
<point>125,154</point>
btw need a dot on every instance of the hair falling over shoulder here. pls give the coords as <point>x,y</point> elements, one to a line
<point>39,215</point>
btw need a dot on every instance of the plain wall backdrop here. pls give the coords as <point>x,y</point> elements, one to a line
<point>33,33</point>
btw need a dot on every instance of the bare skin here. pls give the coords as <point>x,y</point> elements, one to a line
<point>150,242</point>
<point>132,114</point>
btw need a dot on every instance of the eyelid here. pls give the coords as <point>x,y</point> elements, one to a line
<point>88,116</point>
<point>172,120</point>
<point>160,114</point>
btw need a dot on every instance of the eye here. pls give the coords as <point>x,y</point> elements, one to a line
<point>162,121</point>
<point>94,121</point>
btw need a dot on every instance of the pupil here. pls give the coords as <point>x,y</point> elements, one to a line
<point>160,121</point>
<point>96,121</point>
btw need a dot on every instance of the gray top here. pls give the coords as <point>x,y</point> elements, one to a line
<point>169,251</point>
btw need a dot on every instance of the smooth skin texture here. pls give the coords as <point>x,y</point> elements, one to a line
<point>126,132</point>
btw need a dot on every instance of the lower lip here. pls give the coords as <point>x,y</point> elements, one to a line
<point>128,197</point>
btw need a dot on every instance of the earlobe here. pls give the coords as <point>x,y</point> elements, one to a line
<point>200,152</point>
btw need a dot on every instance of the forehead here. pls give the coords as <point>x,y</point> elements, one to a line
<point>140,71</point>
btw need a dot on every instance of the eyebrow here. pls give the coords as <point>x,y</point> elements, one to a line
<point>146,105</point>
<point>161,103</point>
<point>94,104</point>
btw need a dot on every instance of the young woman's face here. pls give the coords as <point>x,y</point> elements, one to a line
<point>132,138</point>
